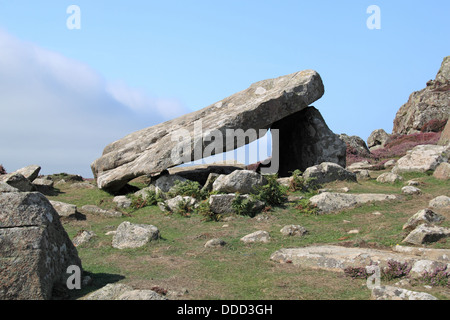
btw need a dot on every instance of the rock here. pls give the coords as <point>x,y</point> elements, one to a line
<point>151,188</point>
<point>285,181</point>
<point>377,139</point>
<point>413,183</point>
<point>334,202</point>
<point>426,216</point>
<point>201,172</point>
<point>389,177</point>
<point>440,202</point>
<point>83,238</point>
<point>337,258</point>
<point>422,266</point>
<point>361,165</point>
<point>130,235</point>
<point>30,172</point>
<point>442,255</point>
<point>293,230</point>
<point>422,158</point>
<point>118,291</point>
<point>355,144</point>
<point>430,103</point>
<point>81,185</point>
<point>18,181</point>
<point>390,163</point>
<point>167,182</point>
<point>362,174</point>
<point>396,293</point>
<point>411,190</point>
<point>32,241</point>
<point>4,187</point>
<point>208,186</point>
<point>222,203</point>
<point>354,231</point>
<point>292,198</point>
<point>258,236</point>
<point>214,243</point>
<point>328,172</point>
<point>305,140</point>
<point>152,150</point>
<point>142,295</point>
<point>442,171</point>
<point>172,204</point>
<point>43,182</point>
<point>64,209</point>
<point>425,234</point>
<point>445,135</point>
<point>122,201</point>
<point>111,291</point>
<point>91,209</point>
<point>242,181</point>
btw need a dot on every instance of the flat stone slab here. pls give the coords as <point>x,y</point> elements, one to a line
<point>149,151</point>
<point>336,258</point>
<point>328,202</point>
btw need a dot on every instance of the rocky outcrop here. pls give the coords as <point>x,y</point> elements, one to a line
<point>396,293</point>
<point>427,233</point>
<point>445,135</point>
<point>152,150</point>
<point>431,103</point>
<point>442,171</point>
<point>35,250</point>
<point>377,139</point>
<point>305,140</point>
<point>355,144</point>
<point>223,203</point>
<point>422,158</point>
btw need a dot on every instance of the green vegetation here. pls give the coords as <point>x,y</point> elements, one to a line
<point>180,261</point>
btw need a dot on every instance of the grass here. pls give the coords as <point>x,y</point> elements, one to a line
<point>179,261</point>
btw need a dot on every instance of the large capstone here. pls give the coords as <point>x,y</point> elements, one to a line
<point>208,131</point>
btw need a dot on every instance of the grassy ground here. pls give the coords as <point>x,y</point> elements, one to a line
<point>179,261</point>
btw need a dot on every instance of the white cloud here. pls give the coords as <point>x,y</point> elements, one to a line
<point>59,113</point>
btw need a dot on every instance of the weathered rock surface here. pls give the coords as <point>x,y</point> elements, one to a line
<point>356,144</point>
<point>431,103</point>
<point>293,230</point>
<point>426,233</point>
<point>242,181</point>
<point>377,139</point>
<point>337,259</point>
<point>389,177</point>
<point>222,203</point>
<point>18,181</point>
<point>328,202</point>
<point>30,173</point>
<point>422,158</point>
<point>215,243</point>
<point>167,182</point>
<point>129,235</point>
<point>440,202</point>
<point>35,250</point>
<point>64,209</point>
<point>411,190</point>
<point>445,135</point>
<point>172,204</point>
<point>149,151</point>
<point>305,140</point>
<point>118,291</point>
<point>201,172</point>
<point>426,216</point>
<point>258,236</point>
<point>396,293</point>
<point>328,172</point>
<point>122,201</point>
<point>442,171</point>
<point>83,238</point>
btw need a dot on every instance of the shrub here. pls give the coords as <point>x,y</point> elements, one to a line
<point>2,170</point>
<point>243,206</point>
<point>272,193</point>
<point>184,208</point>
<point>439,277</point>
<point>188,188</point>
<point>299,183</point>
<point>356,272</point>
<point>204,210</point>
<point>151,198</point>
<point>305,207</point>
<point>395,270</point>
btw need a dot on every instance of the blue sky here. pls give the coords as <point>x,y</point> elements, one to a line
<point>65,94</point>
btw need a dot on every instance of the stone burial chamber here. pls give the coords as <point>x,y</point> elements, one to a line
<point>300,136</point>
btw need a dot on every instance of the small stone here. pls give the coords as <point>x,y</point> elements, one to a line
<point>410,190</point>
<point>293,230</point>
<point>354,231</point>
<point>258,236</point>
<point>215,243</point>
